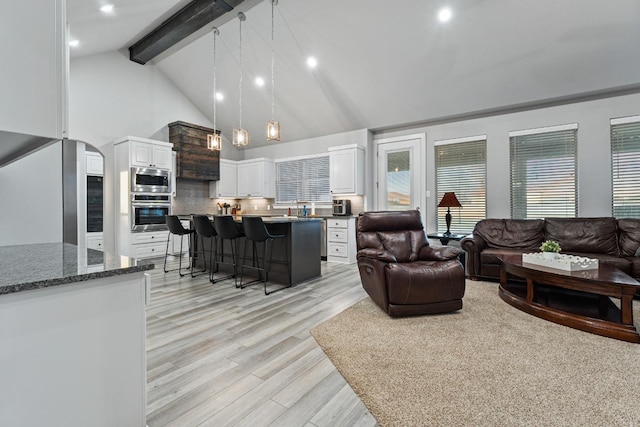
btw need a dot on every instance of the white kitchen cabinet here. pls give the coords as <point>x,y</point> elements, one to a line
<point>119,214</point>
<point>255,178</point>
<point>226,186</point>
<point>95,164</point>
<point>149,244</point>
<point>78,350</point>
<point>150,154</point>
<point>33,75</point>
<point>95,241</point>
<point>346,176</point>
<point>341,240</point>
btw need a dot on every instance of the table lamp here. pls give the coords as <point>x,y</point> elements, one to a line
<point>449,200</point>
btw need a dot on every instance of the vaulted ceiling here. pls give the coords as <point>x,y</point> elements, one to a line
<point>383,64</point>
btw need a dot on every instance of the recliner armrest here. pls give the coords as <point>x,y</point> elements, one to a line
<point>438,253</point>
<point>376,254</point>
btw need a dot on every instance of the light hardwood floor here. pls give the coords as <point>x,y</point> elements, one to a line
<point>221,356</point>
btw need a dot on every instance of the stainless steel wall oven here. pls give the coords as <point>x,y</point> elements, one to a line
<point>148,211</point>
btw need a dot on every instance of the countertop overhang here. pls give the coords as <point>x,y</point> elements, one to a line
<point>42,265</point>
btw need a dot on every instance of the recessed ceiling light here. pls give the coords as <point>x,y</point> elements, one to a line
<point>74,43</point>
<point>106,8</point>
<point>312,62</point>
<point>445,14</point>
<point>259,81</point>
<point>219,96</point>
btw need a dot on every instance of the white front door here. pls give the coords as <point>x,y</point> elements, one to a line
<point>400,175</point>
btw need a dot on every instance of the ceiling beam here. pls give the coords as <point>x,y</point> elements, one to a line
<point>182,24</point>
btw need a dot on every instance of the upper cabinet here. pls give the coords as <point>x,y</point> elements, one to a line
<point>95,164</point>
<point>255,178</point>
<point>33,75</point>
<point>149,153</point>
<point>246,178</point>
<point>226,185</point>
<point>346,174</point>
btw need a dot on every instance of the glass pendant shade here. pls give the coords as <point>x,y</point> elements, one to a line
<point>273,131</point>
<point>214,142</point>
<point>240,138</point>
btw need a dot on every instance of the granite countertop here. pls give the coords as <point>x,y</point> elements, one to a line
<point>42,265</point>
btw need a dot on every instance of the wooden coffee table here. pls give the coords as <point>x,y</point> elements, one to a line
<point>578,299</point>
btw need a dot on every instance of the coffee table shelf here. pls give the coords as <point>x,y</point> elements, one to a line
<point>580,300</point>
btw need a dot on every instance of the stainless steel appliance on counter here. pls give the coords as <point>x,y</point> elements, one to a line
<point>148,212</point>
<point>342,207</point>
<point>150,180</point>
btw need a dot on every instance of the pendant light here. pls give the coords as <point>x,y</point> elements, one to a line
<point>273,127</point>
<point>214,142</point>
<point>240,135</point>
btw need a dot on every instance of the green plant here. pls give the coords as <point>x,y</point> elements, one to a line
<point>550,246</point>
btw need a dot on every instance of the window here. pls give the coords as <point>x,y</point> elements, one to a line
<point>304,179</point>
<point>543,172</point>
<point>461,167</point>
<point>625,158</point>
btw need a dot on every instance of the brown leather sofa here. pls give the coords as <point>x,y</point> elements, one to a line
<point>611,241</point>
<point>400,271</point>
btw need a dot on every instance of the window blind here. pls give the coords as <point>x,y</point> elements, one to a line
<point>303,179</point>
<point>625,161</point>
<point>462,168</point>
<point>543,174</point>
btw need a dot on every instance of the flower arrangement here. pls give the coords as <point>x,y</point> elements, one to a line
<point>550,246</point>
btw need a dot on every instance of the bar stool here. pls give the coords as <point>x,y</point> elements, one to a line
<point>256,231</point>
<point>228,230</point>
<point>176,228</point>
<point>204,228</point>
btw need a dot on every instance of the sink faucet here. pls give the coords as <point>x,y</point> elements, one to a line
<point>297,202</point>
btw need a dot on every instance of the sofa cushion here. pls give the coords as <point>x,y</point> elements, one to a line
<point>635,267</point>
<point>493,255</point>
<point>511,233</point>
<point>629,232</point>
<point>585,235</point>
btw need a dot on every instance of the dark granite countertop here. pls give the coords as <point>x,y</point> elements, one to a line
<point>36,266</point>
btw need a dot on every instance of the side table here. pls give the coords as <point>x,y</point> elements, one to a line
<point>444,240</point>
<point>444,237</point>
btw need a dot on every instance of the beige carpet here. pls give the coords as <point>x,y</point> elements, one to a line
<point>486,365</point>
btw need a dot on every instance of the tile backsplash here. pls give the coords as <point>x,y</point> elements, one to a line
<point>192,197</point>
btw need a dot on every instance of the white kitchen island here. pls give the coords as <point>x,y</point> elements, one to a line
<point>72,337</point>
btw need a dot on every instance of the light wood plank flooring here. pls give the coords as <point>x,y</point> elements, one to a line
<point>221,356</point>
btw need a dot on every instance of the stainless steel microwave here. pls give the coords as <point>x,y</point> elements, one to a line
<point>150,180</point>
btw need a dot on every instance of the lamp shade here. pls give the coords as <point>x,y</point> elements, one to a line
<point>449,200</point>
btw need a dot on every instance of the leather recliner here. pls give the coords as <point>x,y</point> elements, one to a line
<point>400,271</point>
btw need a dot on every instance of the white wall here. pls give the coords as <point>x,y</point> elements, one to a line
<point>32,74</point>
<point>111,97</point>
<point>31,194</point>
<point>594,164</point>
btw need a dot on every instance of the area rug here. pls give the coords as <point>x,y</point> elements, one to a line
<point>486,365</point>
